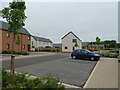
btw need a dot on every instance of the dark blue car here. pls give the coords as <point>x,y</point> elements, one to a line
<point>85,54</point>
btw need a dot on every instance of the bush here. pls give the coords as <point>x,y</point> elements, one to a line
<point>22,81</point>
<point>7,52</point>
<point>114,51</point>
<point>111,55</point>
<point>19,53</point>
<point>24,53</point>
<point>95,50</point>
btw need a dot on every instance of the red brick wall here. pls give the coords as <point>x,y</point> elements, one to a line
<point>8,40</point>
<point>0,40</point>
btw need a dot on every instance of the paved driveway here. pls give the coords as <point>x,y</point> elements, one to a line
<point>69,71</point>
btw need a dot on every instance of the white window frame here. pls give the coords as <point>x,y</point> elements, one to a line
<point>8,46</point>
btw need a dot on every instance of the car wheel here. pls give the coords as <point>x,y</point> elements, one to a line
<point>92,58</point>
<point>73,57</point>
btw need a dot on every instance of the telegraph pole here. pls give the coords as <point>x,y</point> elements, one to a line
<point>38,43</point>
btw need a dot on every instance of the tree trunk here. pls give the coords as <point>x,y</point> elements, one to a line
<point>12,71</point>
<point>18,48</point>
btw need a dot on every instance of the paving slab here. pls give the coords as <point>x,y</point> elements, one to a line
<point>104,75</point>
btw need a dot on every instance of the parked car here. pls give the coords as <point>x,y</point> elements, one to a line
<point>85,54</point>
<point>90,49</point>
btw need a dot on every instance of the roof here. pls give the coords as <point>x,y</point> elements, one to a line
<point>85,43</point>
<point>57,45</point>
<point>69,33</point>
<point>41,39</point>
<point>5,25</point>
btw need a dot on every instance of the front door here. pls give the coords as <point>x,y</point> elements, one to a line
<point>73,48</point>
<point>28,47</point>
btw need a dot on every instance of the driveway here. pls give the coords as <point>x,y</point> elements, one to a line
<point>60,65</point>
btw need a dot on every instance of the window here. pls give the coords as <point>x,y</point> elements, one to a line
<point>65,47</point>
<point>32,42</point>
<point>8,34</point>
<point>74,40</point>
<point>8,46</point>
<point>23,46</point>
<point>28,37</point>
<point>84,51</point>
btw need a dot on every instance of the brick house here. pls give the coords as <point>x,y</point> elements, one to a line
<point>6,39</point>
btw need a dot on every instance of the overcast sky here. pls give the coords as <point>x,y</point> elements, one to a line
<point>86,19</point>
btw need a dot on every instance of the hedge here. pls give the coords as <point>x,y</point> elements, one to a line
<point>111,55</point>
<point>19,53</point>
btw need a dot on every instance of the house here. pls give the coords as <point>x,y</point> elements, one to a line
<point>40,42</point>
<point>6,39</point>
<point>57,45</point>
<point>86,45</point>
<point>71,42</point>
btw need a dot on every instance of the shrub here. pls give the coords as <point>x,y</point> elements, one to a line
<point>7,52</point>
<point>24,53</point>
<point>22,81</point>
<point>111,55</point>
<point>19,53</point>
<point>95,50</point>
<point>114,51</point>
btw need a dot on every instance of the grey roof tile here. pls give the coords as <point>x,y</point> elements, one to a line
<point>41,39</point>
<point>4,26</point>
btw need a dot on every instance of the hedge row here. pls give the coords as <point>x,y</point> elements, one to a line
<point>111,55</point>
<point>19,53</point>
<point>22,81</point>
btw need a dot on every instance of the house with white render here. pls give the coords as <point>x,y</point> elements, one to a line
<point>40,42</point>
<point>71,42</point>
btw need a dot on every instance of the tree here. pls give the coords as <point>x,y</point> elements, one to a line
<point>76,44</point>
<point>118,45</point>
<point>18,41</point>
<point>110,44</point>
<point>15,16</point>
<point>97,41</point>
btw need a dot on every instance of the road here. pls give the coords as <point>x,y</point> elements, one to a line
<point>20,62</point>
<point>60,65</point>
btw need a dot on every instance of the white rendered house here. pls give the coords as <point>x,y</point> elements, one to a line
<point>39,42</point>
<point>69,41</point>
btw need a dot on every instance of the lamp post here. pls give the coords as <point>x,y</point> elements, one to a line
<point>38,43</point>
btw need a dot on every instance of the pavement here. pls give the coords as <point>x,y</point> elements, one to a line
<point>104,75</point>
